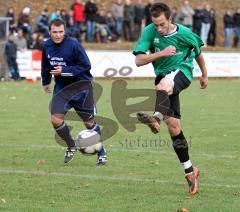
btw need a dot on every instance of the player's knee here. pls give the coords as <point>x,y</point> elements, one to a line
<point>89,124</point>
<point>165,85</point>
<point>174,130</point>
<point>56,121</point>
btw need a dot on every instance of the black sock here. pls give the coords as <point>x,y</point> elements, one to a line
<point>180,146</point>
<point>163,103</point>
<point>64,133</point>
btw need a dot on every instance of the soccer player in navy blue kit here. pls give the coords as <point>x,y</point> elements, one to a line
<point>64,58</point>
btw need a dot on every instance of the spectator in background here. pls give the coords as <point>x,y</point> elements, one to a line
<point>228,28</point>
<point>24,21</point>
<point>91,16</point>
<point>32,42</point>
<point>212,32</point>
<point>20,41</point>
<point>55,14</point>
<point>111,23</point>
<point>128,21</point>
<point>197,20</point>
<point>10,53</point>
<point>78,18</point>
<point>187,14</point>
<point>102,30</point>
<point>12,22</point>
<point>36,42</point>
<point>206,23</point>
<point>42,22</point>
<point>117,11</point>
<point>138,18</point>
<point>236,22</point>
<point>175,15</point>
<point>148,19</point>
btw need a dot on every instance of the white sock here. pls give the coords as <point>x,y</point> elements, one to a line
<point>187,164</point>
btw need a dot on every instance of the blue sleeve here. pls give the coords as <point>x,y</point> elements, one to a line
<point>46,68</point>
<point>81,62</point>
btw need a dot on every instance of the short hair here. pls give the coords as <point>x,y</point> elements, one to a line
<point>56,22</point>
<point>158,8</point>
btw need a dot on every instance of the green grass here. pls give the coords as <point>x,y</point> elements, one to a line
<point>137,177</point>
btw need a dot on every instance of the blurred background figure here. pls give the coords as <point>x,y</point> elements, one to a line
<point>186,14</point>
<point>128,21</point>
<point>78,16</point>
<point>175,15</point>
<point>24,22</point>
<point>138,18</point>
<point>228,28</point>
<point>42,22</point>
<point>91,17</point>
<point>236,22</point>
<point>21,41</point>
<point>12,22</point>
<point>148,19</point>
<point>197,20</point>
<point>206,23</point>
<point>10,53</point>
<point>211,41</point>
<point>117,12</point>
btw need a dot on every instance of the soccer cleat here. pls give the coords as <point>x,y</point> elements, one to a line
<point>151,121</point>
<point>102,160</point>
<point>69,154</point>
<point>192,181</point>
<point>102,157</point>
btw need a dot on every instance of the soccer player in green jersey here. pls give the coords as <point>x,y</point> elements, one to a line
<point>172,48</point>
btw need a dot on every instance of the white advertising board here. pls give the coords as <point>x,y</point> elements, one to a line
<point>122,64</point>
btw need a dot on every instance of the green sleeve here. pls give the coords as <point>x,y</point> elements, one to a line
<point>143,43</point>
<point>195,41</point>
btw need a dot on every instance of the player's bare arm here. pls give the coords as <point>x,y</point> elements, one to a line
<point>143,59</point>
<point>204,78</point>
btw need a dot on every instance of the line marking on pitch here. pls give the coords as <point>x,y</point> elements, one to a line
<point>118,149</point>
<point>113,178</point>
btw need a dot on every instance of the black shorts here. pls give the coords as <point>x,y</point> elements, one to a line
<point>78,95</point>
<point>181,82</point>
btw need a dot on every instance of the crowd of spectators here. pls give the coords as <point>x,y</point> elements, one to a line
<point>122,22</point>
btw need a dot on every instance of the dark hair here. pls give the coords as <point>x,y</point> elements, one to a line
<point>158,8</point>
<point>56,22</point>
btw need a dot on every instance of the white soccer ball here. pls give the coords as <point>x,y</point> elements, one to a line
<point>89,142</point>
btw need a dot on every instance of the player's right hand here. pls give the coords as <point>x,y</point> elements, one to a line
<point>47,88</point>
<point>169,51</point>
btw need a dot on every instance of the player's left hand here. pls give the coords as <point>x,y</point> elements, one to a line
<point>57,71</point>
<point>203,82</point>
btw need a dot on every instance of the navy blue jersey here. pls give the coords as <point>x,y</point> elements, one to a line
<point>71,56</point>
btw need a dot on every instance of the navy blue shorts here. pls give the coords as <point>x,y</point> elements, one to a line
<point>78,95</point>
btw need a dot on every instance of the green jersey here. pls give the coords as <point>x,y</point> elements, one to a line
<point>187,44</point>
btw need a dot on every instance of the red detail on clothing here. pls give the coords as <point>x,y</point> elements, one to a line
<point>78,12</point>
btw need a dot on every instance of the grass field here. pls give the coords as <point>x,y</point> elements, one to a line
<point>139,176</point>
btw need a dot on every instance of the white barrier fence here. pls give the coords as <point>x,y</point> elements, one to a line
<point>121,64</point>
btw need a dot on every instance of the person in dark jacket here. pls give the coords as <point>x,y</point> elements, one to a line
<point>91,16</point>
<point>12,22</point>
<point>128,21</point>
<point>212,32</point>
<point>10,53</point>
<point>236,22</point>
<point>228,28</point>
<point>206,23</point>
<point>148,19</point>
<point>64,58</point>
<point>197,20</point>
